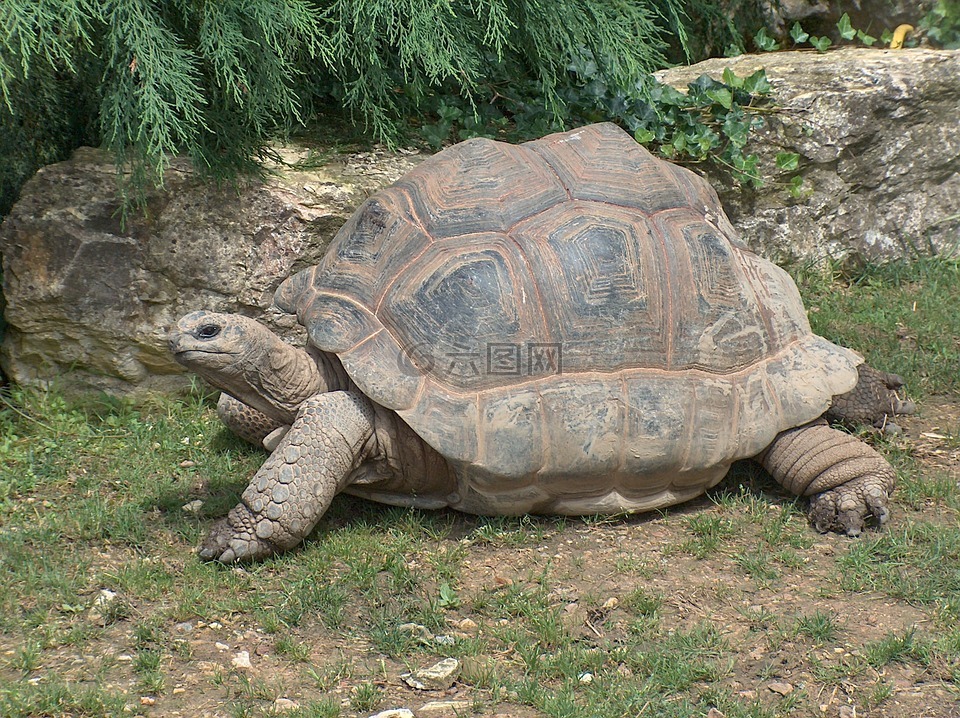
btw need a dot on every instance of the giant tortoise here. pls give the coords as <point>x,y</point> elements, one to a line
<point>566,326</point>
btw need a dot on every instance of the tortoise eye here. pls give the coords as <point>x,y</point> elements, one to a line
<point>208,331</point>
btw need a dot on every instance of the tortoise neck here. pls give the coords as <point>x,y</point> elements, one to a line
<point>277,378</point>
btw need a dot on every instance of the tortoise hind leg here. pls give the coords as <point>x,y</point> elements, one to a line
<point>294,487</point>
<point>847,480</point>
<point>874,401</point>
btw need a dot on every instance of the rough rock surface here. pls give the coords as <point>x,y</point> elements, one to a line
<point>819,17</point>
<point>878,133</point>
<point>88,294</point>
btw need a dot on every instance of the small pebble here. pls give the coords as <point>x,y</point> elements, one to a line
<point>586,678</point>
<point>468,625</point>
<point>783,689</point>
<point>285,704</point>
<point>848,712</point>
<point>221,646</point>
<point>193,507</point>
<point>147,701</point>
<point>187,464</point>
<point>394,713</point>
<point>241,661</point>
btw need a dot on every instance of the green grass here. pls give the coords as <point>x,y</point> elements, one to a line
<point>902,317</point>
<point>713,600</point>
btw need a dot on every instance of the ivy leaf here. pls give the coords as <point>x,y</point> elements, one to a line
<point>865,38</point>
<point>643,136</point>
<point>796,188</point>
<point>797,33</point>
<point>757,83</point>
<point>821,43</point>
<point>846,29</point>
<point>730,78</point>
<point>722,97</point>
<point>764,41</point>
<point>886,37</point>
<point>788,161</point>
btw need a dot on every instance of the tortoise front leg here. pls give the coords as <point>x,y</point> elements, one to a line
<point>847,479</point>
<point>294,487</point>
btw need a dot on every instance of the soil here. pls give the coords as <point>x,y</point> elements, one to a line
<point>594,566</point>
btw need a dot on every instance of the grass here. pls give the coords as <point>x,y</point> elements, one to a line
<point>671,615</point>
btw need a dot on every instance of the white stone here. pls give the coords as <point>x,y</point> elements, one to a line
<point>438,677</point>
<point>241,661</point>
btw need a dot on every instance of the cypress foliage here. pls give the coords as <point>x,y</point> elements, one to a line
<point>217,79</point>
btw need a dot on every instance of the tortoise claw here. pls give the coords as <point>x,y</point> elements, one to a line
<point>234,539</point>
<point>846,508</point>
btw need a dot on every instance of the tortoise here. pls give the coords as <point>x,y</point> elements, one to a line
<point>565,326</point>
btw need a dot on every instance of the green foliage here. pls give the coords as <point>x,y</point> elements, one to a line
<point>217,80</point>
<point>942,24</point>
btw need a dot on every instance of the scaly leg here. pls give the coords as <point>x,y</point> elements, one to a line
<point>293,489</point>
<point>249,424</point>
<point>847,479</point>
<point>873,401</point>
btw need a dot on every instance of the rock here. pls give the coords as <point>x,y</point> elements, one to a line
<point>783,689</point>
<point>241,661</point>
<point>879,142</point>
<point>437,677</point>
<point>285,704</point>
<point>104,605</point>
<point>417,631</point>
<point>394,713</point>
<point>819,17</point>
<point>193,507</point>
<point>90,294</point>
<point>714,713</point>
<point>585,678</point>
<point>848,712</point>
<point>468,626</point>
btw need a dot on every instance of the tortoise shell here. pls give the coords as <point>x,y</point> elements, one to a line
<point>572,322</point>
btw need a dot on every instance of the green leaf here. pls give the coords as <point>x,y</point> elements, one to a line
<point>448,596</point>
<point>788,161</point>
<point>796,188</point>
<point>730,78</point>
<point>821,43</point>
<point>797,33</point>
<point>643,136</point>
<point>846,29</point>
<point>886,37</point>
<point>764,41</point>
<point>722,97</point>
<point>865,38</point>
<point>757,83</point>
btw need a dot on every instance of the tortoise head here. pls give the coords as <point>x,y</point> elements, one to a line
<point>246,360</point>
<point>218,346</point>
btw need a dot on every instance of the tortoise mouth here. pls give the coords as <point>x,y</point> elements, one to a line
<point>192,356</point>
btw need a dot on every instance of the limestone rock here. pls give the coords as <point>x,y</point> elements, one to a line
<point>819,17</point>
<point>90,294</point>
<point>437,677</point>
<point>879,139</point>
